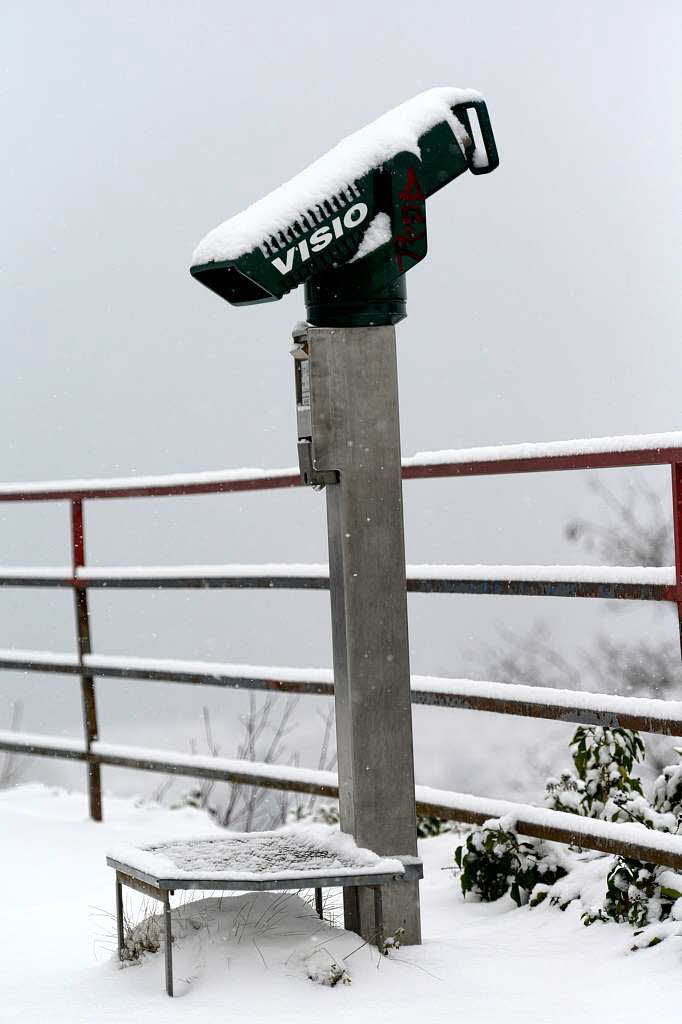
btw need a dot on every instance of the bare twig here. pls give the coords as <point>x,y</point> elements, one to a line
<point>11,767</point>
<point>260,953</point>
<point>639,531</point>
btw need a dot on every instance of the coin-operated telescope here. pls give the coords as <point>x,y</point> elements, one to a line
<point>352,224</point>
<point>349,227</point>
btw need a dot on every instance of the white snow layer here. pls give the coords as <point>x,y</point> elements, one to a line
<point>38,657</point>
<point>68,744</point>
<point>645,707</point>
<point>378,233</point>
<point>132,572</point>
<point>637,574</point>
<point>547,573</point>
<point>293,852</point>
<point>490,453</point>
<point>584,700</point>
<point>242,958</point>
<point>394,132</point>
<point>517,814</point>
<point>199,478</point>
<point>545,449</point>
<point>227,766</point>
<point>172,665</point>
<point>41,572</point>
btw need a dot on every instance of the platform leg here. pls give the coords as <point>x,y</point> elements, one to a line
<point>379,917</point>
<point>119,919</point>
<point>169,944</point>
<point>318,903</point>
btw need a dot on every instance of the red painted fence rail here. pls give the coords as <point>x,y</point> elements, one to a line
<point>588,454</point>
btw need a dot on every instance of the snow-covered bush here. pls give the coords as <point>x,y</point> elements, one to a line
<point>320,813</point>
<point>667,795</point>
<point>328,814</point>
<point>428,825</point>
<point>640,893</point>
<point>324,969</point>
<point>603,780</point>
<point>495,861</point>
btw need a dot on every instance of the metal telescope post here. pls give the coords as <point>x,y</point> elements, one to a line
<point>349,441</point>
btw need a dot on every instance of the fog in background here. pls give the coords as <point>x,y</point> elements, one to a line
<point>548,307</point>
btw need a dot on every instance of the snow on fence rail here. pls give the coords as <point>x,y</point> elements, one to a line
<point>628,583</point>
<point>631,583</point>
<point>633,840</point>
<point>642,713</point>
<point>581,453</point>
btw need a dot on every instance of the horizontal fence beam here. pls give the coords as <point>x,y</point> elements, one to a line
<point>319,682</point>
<point>644,584</point>
<point>587,453</point>
<point>416,469</point>
<point>579,707</point>
<point>243,774</point>
<point>558,826</point>
<point>168,762</point>
<point>633,841</point>
<point>173,485</point>
<point>159,577</point>
<point>42,746</point>
<point>547,588</point>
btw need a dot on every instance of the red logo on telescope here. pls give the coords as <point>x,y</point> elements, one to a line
<point>411,204</point>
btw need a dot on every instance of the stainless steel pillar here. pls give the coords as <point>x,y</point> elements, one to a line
<point>351,384</point>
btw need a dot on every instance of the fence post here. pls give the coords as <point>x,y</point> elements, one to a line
<point>83,638</point>
<point>676,473</point>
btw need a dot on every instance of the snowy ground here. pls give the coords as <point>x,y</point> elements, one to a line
<point>243,958</point>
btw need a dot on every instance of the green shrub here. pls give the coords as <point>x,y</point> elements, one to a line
<point>427,824</point>
<point>639,894</point>
<point>667,795</point>
<point>493,861</point>
<point>603,760</point>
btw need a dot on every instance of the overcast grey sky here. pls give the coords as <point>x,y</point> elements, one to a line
<point>549,307</point>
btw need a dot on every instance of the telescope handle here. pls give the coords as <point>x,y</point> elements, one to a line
<point>473,155</point>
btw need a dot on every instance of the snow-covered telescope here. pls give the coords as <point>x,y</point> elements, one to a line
<point>354,222</point>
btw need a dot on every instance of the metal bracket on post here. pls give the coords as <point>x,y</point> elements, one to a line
<point>347,404</point>
<point>310,475</point>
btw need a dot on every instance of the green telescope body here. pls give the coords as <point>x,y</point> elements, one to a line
<point>351,225</point>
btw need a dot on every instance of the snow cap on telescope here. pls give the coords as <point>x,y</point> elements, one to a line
<point>394,132</point>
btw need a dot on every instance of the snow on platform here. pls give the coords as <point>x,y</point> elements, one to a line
<point>296,852</point>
